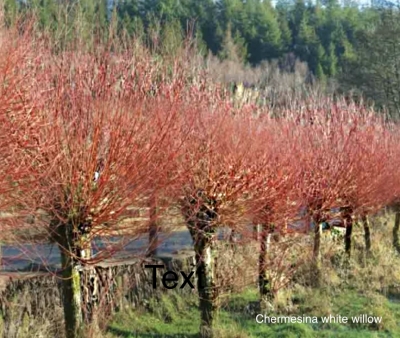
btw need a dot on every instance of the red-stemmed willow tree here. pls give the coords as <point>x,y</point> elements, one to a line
<point>366,183</point>
<point>102,147</point>
<point>215,176</point>
<point>318,145</point>
<point>344,158</point>
<point>271,202</point>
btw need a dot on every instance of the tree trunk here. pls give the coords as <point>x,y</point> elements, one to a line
<point>264,281</point>
<point>233,238</point>
<point>367,235</point>
<point>205,260</point>
<point>316,273</point>
<point>257,231</point>
<point>396,241</point>
<point>153,227</point>
<point>347,237</point>
<point>71,283</point>
<point>201,213</point>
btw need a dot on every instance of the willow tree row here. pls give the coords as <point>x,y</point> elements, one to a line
<point>326,155</point>
<point>84,136</point>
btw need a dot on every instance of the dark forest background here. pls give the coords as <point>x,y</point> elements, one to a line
<point>347,48</point>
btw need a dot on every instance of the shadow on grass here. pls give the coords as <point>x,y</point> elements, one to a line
<point>127,334</point>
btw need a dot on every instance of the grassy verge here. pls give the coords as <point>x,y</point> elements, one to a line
<point>352,288</point>
<point>177,317</point>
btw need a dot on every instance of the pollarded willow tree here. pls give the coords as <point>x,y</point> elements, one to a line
<point>271,201</point>
<point>345,160</point>
<point>216,161</point>
<point>320,145</point>
<point>102,148</point>
<point>368,168</point>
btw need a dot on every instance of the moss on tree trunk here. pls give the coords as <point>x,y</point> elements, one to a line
<point>201,212</point>
<point>396,227</point>
<point>367,235</point>
<point>71,283</point>
<point>349,230</point>
<point>316,266</point>
<point>73,239</point>
<point>205,259</point>
<point>316,216</point>
<point>264,280</point>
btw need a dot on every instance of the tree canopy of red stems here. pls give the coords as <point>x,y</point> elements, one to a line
<point>143,127</point>
<point>86,136</point>
<point>346,157</point>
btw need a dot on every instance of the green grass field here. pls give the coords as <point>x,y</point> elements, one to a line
<point>359,287</point>
<point>176,317</point>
